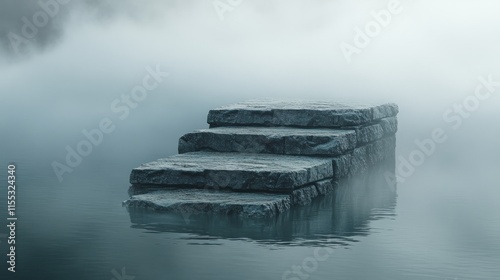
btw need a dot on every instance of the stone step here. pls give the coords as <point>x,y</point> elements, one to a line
<point>187,202</point>
<point>299,114</point>
<point>372,132</point>
<point>272,140</point>
<point>363,157</point>
<point>237,171</point>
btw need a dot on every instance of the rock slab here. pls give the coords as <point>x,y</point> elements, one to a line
<point>187,201</point>
<point>237,171</point>
<point>299,114</point>
<point>271,140</point>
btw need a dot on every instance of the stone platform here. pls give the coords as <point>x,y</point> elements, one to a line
<point>261,172</point>
<point>260,158</point>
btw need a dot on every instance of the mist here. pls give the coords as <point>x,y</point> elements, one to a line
<point>427,59</point>
<point>430,58</point>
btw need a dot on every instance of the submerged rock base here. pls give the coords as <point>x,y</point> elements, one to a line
<point>261,158</point>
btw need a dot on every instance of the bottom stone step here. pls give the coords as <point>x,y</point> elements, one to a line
<point>189,202</point>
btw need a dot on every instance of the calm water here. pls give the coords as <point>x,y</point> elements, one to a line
<point>443,224</point>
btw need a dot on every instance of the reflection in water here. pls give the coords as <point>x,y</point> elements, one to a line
<point>335,219</point>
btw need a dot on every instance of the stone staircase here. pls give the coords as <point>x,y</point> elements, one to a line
<point>259,158</point>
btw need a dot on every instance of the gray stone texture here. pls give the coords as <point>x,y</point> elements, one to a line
<point>188,202</point>
<point>324,187</point>
<point>389,125</point>
<point>239,171</point>
<point>272,140</point>
<point>363,157</point>
<point>299,113</point>
<point>369,133</point>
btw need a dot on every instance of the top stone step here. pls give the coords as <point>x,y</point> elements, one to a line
<point>299,114</point>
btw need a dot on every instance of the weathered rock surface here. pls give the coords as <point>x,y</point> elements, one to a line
<point>273,140</point>
<point>341,165</point>
<point>389,125</point>
<point>367,134</point>
<point>299,113</point>
<point>188,201</point>
<point>370,133</point>
<point>361,158</point>
<point>324,187</point>
<point>237,171</point>
<point>384,111</point>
